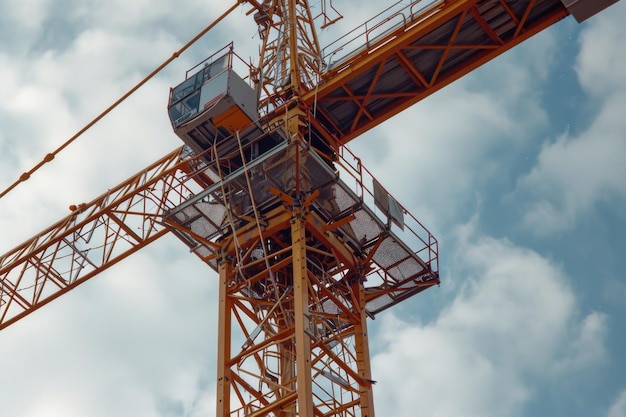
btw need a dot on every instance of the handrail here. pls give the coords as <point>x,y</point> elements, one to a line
<point>351,165</point>
<point>362,37</point>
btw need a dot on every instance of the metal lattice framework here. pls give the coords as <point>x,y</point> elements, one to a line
<point>305,252</point>
<point>303,262</point>
<point>290,58</point>
<point>303,339</point>
<point>93,237</point>
<point>413,49</point>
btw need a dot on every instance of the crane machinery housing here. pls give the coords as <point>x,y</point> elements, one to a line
<point>306,243</point>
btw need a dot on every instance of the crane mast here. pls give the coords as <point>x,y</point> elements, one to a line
<point>290,55</point>
<point>306,243</point>
<point>303,259</point>
<point>303,262</point>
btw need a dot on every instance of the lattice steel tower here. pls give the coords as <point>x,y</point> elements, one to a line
<point>304,257</point>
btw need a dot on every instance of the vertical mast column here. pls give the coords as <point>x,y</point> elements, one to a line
<point>224,338</point>
<point>301,313</point>
<point>363,353</point>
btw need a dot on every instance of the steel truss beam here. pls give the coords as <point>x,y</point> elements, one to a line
<point>95,236</point>
<point>395,66</point>
<point>301,328</point>
<point>302,265</point>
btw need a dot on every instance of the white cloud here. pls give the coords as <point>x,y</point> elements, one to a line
<point>50,97</point>
<point>138,338</point>
<point>601,65</point>
<point>618,408</point>
<point>27,18</point>
<point>578,171</point>
<point>513,326</point>
<point>461,138</point>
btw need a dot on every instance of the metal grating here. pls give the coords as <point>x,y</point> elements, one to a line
<point>395,270</point>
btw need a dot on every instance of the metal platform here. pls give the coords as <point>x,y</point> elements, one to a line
<point>401,252</point>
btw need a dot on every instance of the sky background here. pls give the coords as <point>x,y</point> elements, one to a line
<point>517,168</point>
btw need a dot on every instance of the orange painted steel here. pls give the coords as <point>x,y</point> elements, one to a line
<point>299,278</point>
<point>297,350</point>
<point>289,56</point>
<point>299,272</point>
<point>31,274</point>
<point>430,49</point>
<point>95,236</point>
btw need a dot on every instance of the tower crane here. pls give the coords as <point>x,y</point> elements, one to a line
<point>306,243</point>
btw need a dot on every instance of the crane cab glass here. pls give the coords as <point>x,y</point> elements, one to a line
<point>184,101</point>
<point>211,103</point>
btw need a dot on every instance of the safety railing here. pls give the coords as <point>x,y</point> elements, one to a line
<point>407,227</point>
<point>365,37</point>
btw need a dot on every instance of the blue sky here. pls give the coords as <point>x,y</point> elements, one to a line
<point>517,168</point>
